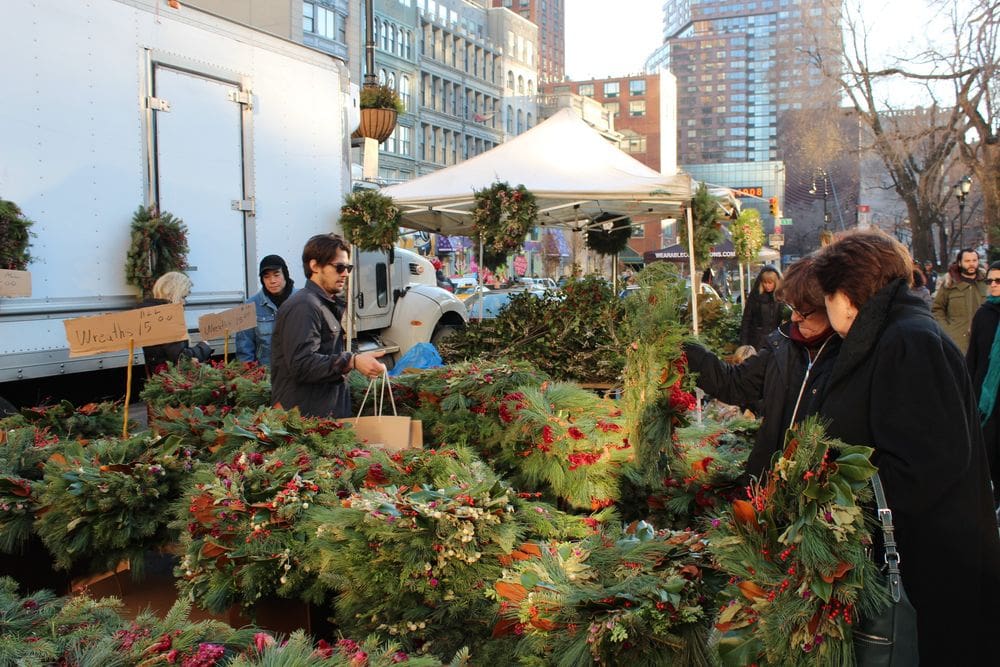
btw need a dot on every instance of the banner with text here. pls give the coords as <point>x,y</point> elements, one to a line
<point>15,283</point>
<point>111,332</point>
<point>217,325</point>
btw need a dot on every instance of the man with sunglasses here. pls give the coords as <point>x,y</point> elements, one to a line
<point>309,365</point>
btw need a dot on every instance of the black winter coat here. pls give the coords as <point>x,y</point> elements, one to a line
<point>774,376</point>
<point>308,362</point>
<point>761,317</point>
<point>984,327</point>
<point>933,466</point>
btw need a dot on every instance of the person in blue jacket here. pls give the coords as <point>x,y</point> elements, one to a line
<point>276,286</point>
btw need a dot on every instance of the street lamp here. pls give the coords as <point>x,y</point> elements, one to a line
<point>826,192</point>
<point>962,189</point>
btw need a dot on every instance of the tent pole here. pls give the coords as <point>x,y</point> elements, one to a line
<point>694,294</point>
<point>479,280</point>
<point>350,304</point>
<point>743,291</point>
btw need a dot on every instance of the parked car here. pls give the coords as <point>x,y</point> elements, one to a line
<point>543,283</point>
<point>488,305</point>
<point>463,292</point>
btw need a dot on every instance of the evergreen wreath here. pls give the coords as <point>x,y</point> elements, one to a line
<point>15,236</point>
<point>159,246</point>
<point>370,220</point>
<point>609,242</point>
<point>795,552</point>
<point>501,219</point>
<point>748,234</point>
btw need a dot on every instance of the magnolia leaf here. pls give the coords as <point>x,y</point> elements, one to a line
<point>529,580</point>
<point>822,589</point>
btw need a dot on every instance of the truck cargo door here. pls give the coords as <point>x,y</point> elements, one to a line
<point>199,177</point>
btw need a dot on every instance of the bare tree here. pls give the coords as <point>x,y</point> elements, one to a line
<point>918,146</point>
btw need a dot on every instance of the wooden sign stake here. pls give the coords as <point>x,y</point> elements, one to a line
<point>128,386</point>
<point>225,349</point>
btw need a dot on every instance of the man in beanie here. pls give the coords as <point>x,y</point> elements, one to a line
<point>276,286</point>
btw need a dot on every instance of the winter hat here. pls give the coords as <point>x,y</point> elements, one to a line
<point>272,262</point>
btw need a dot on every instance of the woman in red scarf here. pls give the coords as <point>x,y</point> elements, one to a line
<point>787,376</point>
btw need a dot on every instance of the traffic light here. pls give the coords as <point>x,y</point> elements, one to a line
<point>773,204</point>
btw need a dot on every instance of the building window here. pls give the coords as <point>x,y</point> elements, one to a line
<point>324,22</point>
<point>586,89</point>
<point>637,108</point>
<point>404,140</point>
<point>510,81</point>
<point>638,231</point>
<point>611,89</point>
<point>510,119</point>
<point>637,87</point>
<point>404,92</point>
<point>634,143</point>
<point>612,108</point>
<point>520,85</point>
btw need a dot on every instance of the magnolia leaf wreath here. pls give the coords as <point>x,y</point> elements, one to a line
<point>14,237</point>
<point>501,219</point>
<point>159,245</point>
<point>748,234</point>
<point>613,241</point>
<point>370,220</point>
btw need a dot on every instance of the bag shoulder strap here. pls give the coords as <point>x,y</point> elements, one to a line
<point>892,557</point>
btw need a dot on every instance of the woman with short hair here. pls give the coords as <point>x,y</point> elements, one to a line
<point>171,287</point>
<point>930,456</point>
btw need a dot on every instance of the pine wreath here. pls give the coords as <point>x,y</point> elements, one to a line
<point>609,242</point>
<point>15,237</point>
<point>159,245</point>
<point>503,216</point>
<point>370,220</point>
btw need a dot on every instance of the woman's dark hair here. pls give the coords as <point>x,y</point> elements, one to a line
<point>323,248</point>
<point>800,289</point>
<point>995,266</point>
<point>860,263</point>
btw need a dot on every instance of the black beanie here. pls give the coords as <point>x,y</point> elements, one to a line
<point>272,262</point>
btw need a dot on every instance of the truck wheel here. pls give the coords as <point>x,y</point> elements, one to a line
<point>441,333</point>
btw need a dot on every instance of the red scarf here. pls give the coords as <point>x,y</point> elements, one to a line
<point>812,342</point>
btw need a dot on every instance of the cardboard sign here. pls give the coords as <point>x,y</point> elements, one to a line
<point>217,325</point>
<point>111,332</point>
<point>15,283</point>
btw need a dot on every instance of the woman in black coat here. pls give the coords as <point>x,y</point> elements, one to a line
<point>930,456</point>
<point>982,338</point>
<point>171,287</point>
<point>786,376</point>
<point>762,311</point>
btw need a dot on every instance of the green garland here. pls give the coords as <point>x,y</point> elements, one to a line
<point>501,219</point>
<point>188,383</point>
<point>796,555</point>
<point>15,237</point>
<point>370,220</point>
<point>159,245</point>
<point>67,421</point>
<point>707,228</point>
<point>609,242</point>
<point>23,452</point>
<point>747,234</point>
<point>621,596</point>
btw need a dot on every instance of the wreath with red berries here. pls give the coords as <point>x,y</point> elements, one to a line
<point>501,219</point>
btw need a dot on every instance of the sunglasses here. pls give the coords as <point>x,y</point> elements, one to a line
<point>993,281</point>
<point>343,268</point>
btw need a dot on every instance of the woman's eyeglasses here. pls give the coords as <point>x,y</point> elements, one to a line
<point>803,314</point>
<point>343,268</point>
<point>993,281</point>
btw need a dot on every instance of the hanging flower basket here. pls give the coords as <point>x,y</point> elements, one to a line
<point>370,220</point>
<point>159,245</point>
<point>380,107</point>
<point>503,216</point>
<point>609,242</point>
<point>14,237</point>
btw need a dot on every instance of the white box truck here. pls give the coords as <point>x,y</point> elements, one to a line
<point>113,104</point>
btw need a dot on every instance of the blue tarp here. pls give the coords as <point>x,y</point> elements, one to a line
<point>421,355</point>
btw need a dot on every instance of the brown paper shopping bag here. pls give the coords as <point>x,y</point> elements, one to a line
<point>389,432</point>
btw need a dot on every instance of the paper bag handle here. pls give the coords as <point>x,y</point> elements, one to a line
<point>378,400</point>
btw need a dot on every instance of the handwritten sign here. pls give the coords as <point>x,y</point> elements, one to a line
<point>217,325</point>
<point>107,333</point>
<point>15,283</point>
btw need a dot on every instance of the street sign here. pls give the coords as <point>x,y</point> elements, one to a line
<point>786,221</point>
<point>776,240</point>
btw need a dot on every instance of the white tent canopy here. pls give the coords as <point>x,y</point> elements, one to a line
<point>574,173</point>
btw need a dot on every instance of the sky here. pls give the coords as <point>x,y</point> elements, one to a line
<point>606,39</point>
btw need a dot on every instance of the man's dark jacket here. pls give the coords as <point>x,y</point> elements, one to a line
<point>774,376</point>
<point>932,463</point>
<point>308,362</point>
<point>984,327</point>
